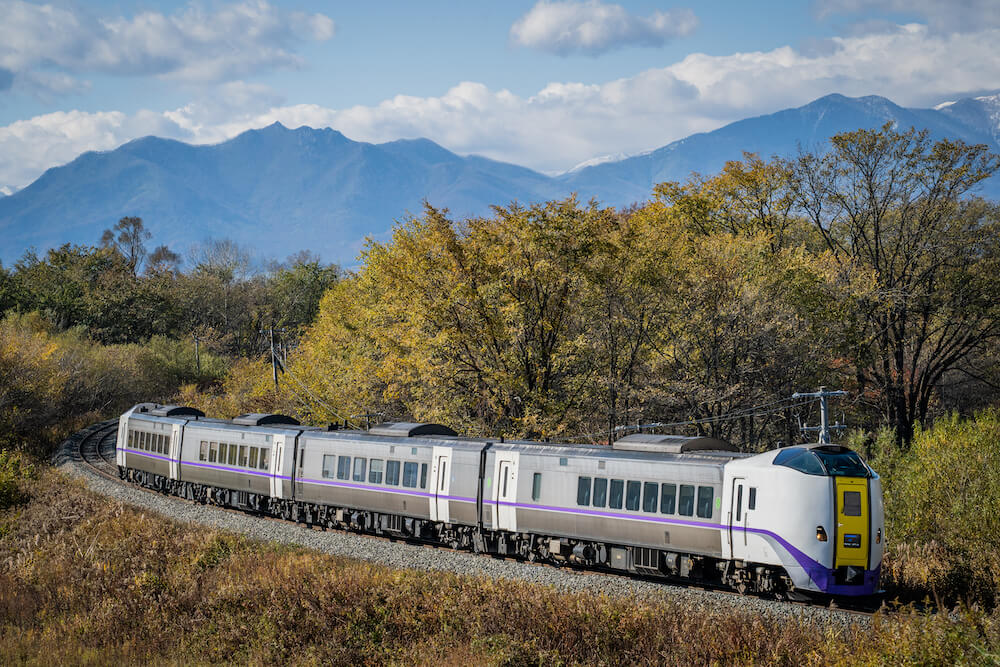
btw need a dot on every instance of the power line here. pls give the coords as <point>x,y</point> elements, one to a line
<point>309,392</point>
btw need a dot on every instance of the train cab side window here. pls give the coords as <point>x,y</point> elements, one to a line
<point>359,468</point>
<point>253,458</point>
<point>600,491</point>
<point>583,491</point>
<point>392,473</point>
<point>423,475</point>
<point>617,492</point>
<point>410,474</point>
<point>650,491</point>
<point>706,496</point>
<point>632,491</point>
<point>265,458</point>
<point>375,471</point>
<point>328,461</point>
<point>536,486</point>
<point>752,501</point>
<point>203,451</point>
<point>686,505</point>
<point>243,456</point>
<point>343,467</point>
<point>668,496</point>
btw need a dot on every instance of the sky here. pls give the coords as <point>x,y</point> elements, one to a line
<point>545,84</point>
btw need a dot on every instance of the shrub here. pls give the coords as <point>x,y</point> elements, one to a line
<point>943,509</point>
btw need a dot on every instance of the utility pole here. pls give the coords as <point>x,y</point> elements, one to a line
<point>824,413</point>
<point>274,355</point>
<point>197,354</point>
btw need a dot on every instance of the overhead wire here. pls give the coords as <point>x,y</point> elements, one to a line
<point>315,398</point>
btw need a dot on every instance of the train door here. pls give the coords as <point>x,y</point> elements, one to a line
<point>852,521</point>
<point>275,464</point>
<point>174,451</point>
<point>738,519</point>
<point>441,475</point>
<point>505,491</point>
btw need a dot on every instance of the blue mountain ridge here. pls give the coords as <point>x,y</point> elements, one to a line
<point>279,190</point>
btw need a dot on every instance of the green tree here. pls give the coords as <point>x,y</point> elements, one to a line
<point>892,203</point>
<point>128,237</point>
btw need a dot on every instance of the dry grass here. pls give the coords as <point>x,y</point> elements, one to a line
<point>87,580</point>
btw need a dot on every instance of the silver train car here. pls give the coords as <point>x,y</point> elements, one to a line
<point>792,521</point>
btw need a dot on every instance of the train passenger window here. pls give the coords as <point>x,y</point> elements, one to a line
<point>138,440</point>
<point>617,491</point>
<point>265,458</point>
<point>243,456</point>
<point>343,467</point>
<point>253,458</point>
<point>130,438</point>
<point>223,450</point>
<point>328,461</point>
<point>392,472</point>
<point>159,443</point>
<point>650,491</point>
<point>632,490</point>
<point>536,486</point>
<point>686,505</point>
<point>739,503</point>
<point>213,452</point>
<point>668,496</point>
<point>752,503</point>
<point>233,451</point>
<point>302,456</point>
<point>583,491</point>
<point>600,491</point>
<point>852,503</point>
<point>423,475</point>
<point>706,495</point>
<point>203,451</point>
<point>359,468</point>
<point>410,474</point>
<point>375,472</point>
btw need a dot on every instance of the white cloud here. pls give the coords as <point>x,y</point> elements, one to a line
<point>564,123</point>
<point>44,45</point>
<point>594,27</point>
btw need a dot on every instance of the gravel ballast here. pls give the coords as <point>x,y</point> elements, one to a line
<point>410,556</point>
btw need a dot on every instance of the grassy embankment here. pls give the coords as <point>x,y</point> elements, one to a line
<point>86,579</point>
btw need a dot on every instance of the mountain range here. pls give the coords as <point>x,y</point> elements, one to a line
<point>279,190</point>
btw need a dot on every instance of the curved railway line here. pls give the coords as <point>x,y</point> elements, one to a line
<point>93,450</point>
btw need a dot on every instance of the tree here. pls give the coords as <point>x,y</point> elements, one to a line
<point>128,237</point>
<point>892,203</point>
<point>163,260</point>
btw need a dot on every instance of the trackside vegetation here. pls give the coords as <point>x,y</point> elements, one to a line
<point>86,579</point>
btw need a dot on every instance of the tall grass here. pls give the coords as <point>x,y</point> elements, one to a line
<point>86,579</point>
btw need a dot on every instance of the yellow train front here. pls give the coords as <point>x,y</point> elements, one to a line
<point>815,510</point>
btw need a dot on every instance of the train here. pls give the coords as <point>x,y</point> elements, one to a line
<point>799,521</point>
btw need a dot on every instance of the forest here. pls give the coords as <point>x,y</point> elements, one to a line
<point>871,267</point>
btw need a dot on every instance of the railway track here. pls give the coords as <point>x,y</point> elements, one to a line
<point>94,449</point>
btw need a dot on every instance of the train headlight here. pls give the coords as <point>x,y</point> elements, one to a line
<point>820,534</point>
<point>878,536</point>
